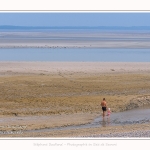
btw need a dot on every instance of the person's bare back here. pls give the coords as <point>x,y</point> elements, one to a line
<point>103,104</point>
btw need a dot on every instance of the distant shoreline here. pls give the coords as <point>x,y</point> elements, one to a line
<point>49,46</point>
<point>74,39</point>
<point>11,27</point>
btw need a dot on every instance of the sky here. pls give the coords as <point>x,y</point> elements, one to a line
<point>75,19</point>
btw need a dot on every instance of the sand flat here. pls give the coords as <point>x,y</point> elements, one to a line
<point>74,67</point>
<point>59,93</point>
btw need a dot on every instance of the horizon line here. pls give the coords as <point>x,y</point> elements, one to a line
<point>74,27</point>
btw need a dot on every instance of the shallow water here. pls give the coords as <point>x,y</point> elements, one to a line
<point>75,54</point>
<point>138,115</point>
<point>135,116</point>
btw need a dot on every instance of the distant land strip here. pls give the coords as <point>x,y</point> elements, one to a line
<point>10,27</point>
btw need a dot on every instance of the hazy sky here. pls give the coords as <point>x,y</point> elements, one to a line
<point>75,19</point>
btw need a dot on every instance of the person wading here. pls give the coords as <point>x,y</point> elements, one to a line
<point>104,106</point>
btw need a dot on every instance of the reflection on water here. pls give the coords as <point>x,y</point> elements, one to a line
<point>105,121</point>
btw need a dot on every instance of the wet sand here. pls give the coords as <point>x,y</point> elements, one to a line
<point>75,39</point>
<point>43,95</point>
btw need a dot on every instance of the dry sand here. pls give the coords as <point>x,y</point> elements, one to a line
<point>37,95</point>
<point>73,68</point>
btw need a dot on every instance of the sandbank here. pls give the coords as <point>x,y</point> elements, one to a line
<point>75,39</point>
<point>73,67</point>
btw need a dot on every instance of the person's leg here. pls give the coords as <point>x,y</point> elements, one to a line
<point>108,116</point>
<point>103,114</point>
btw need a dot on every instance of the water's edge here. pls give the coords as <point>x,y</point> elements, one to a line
<point>135,116</point>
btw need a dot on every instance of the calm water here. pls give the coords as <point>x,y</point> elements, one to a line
<point>81,54</point>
